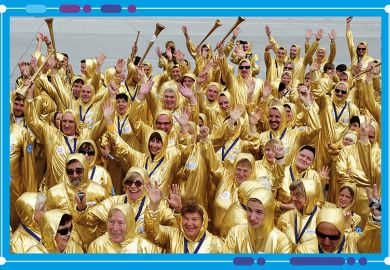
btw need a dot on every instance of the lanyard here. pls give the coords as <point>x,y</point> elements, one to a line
<point>224,154</point>
<point>120,126</point>
<point>93,173</point>
<point>155,168</point>
<point>341,113</point>
<point>197,247</point>
<point>128,91</point>
<point>140,208</point>
<point>338,251</point>
<point>30,232</point>
<point>281,136</point>
<point>298,237</point>
<point>292,174</point>
<point>72,151</point>
<point>82,119</point>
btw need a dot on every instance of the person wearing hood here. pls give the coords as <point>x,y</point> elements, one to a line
<point>243,84</point>
<point>301,168</point>
<point>57,234</point>
<point>62,196</point>
<point>96,173</point>
<point>59,143</point>
<point>242,51</point>
<point>346,198</point>
<point>208,100</point>
<point>299,223</point>
<point>358,164</point>
<point>359,54</point>
<point>260,234</point>
<point>191,236</point>
<point>333,239</point>
<point>134,195</point>
<point>291,138</point>
<point>158,162</point>
<point>121,236</point>
<point>335,113</point>
<point>30,207</point>
<point>226,181</point>
<point>274,66</point>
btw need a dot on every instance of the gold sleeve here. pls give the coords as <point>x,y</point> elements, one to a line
<point>228,48</point>
<point>308,59</point>
<point>215,164</point>
<point>255,65</point>
<point>332,53</point>
<point>122,149</point>
<point>314,125</point>
<point>40,129</point>
<point>369,101</point>
<point>60,95</point>
<point>191,48</point>
<point>155,232</point>
<point>351,46</point>
<point>230,245</point>
<point>370,240</point>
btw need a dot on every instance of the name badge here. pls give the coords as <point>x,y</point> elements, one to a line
<point>60,150</point>
<point>127,129</point>
<point>225,195</point>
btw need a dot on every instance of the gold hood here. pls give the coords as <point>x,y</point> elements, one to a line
<point>139,170</point>
<point>203,228</point>
<point>95,148</point>
<point>245,189</point>
<point>49,226</point>
<point>85,180</point>
<point>250,158</point>
<point>164,138</point>
<point>76,120</point>
<point>127,211</point>
<point>25,208</point>
<point>334,216</point>
<point>312,192</point>
<point>350,207</point>
<point>283,122</point>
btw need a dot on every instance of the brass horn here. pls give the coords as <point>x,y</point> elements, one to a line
<point>216,25</point>
<point>22,91</point>
<point>157,31</point>
<point>49,22</point>
<point>239,20</point>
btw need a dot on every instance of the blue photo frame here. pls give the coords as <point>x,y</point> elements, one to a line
<point>100,8</point>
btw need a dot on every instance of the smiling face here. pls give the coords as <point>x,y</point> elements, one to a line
<point>212,92</point>
<point>188,81</point>
<point>76,88</point>
<point>121,106</point>
<point>192,223</point>
<point>298,198</point>
<point>281,54</point>
<point>242,171</point>
<point>245,69</point>
<point>18,108</point>
<point>304,159</point>
<point>274,118</point>
<point>320,54</point>
<point>269,153</point>
<point>75,171</point>
<point>286,79</point>
<point>62,239</point>
<point>176,74</point>
<point>116,226</point>
<point>345,198</point>
<point>224,103</point>
<point>340,91</point>
<point>325,231</point>
<point>155,146</point>
<point>134,187</point>
<point>169,100</point>
<point>361,49</point>
<point>86,93</point>
<point>255,212</point>
<point>293,52</point>
<point>163,123</point>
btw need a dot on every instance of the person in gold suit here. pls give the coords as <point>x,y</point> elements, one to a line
<point>260,234</point>
<point>191,236</point>
<point>134,195</point>
<point>62,196</point>
<point>30,207</point>
<point>331,237</point>
<point>299,223</point>
<point>56,230</point>
<point>121,235</point>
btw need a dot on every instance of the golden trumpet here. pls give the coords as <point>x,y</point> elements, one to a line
<point>216,25</point>
<point>49,22</point>
<point>157,31</point>
<point>239,20</point>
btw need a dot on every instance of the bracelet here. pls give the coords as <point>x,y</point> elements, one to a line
<point>279,158</point>
<point>47,44</point>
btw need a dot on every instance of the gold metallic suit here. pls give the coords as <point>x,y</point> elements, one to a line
<point>265,239</point>
<point>49,226</point>
<point>132,243</point>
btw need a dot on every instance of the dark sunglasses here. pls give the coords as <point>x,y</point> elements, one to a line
<point>331,237</point>
<point>65,231</point>
<point>136,183</point>
<point>89,152</point>
<point>77,170</point>
<point>342,91</point>
<point>244,67</point>
<point>287,68</point>
<point>361,49</point>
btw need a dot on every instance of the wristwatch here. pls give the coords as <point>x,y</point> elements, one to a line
<point>376,204</point>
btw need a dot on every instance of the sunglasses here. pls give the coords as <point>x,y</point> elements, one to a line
<point>89,152</point>
<point>77,170</point>
<point>342,91</point>
<point>361,49</point>
<point>287,68</point>
<point>244,67</point>
<point>136,183</point>
<point>65,231</point>
<point>331,237</point>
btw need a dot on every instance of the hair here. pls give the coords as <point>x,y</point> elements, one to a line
<point>19,98</point>
<point>122,96</point>
<point>169,41</point>
<point>204,46</point>
<point>132,177</point>
<point>80,80</point>
<point>155,135</point>
<point>297,185</point>
<point>310,148</point>
<point>66,55</point>
<point>65,219</point>
<point>171,90</point>
<point>303,84</point>
<point>272,143</point>
<point>245,162</point>
<point>354,119</point>
<point>328,66</point>
<point>255,200</point>
<point>349,189</point>
<point>287,106</point>
<point>83,61</point>
<point>72,161</point>
<point>341,68</point>
<point>281,48</point>
<point>86,146</point>
<point>55,116</point>
<point>192,207</point>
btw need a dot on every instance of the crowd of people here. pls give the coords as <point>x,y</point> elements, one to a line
<point>207,158</point>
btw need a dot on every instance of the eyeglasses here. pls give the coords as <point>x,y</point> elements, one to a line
<point>331,237</point>
<point>65,231</point>
<point>244,67</point>
<point>342,91</point>
<point>89,152</point>
<point>296,195</point>
<point>136,183</point>
<point>361,49</point>
<point>77,170</point>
